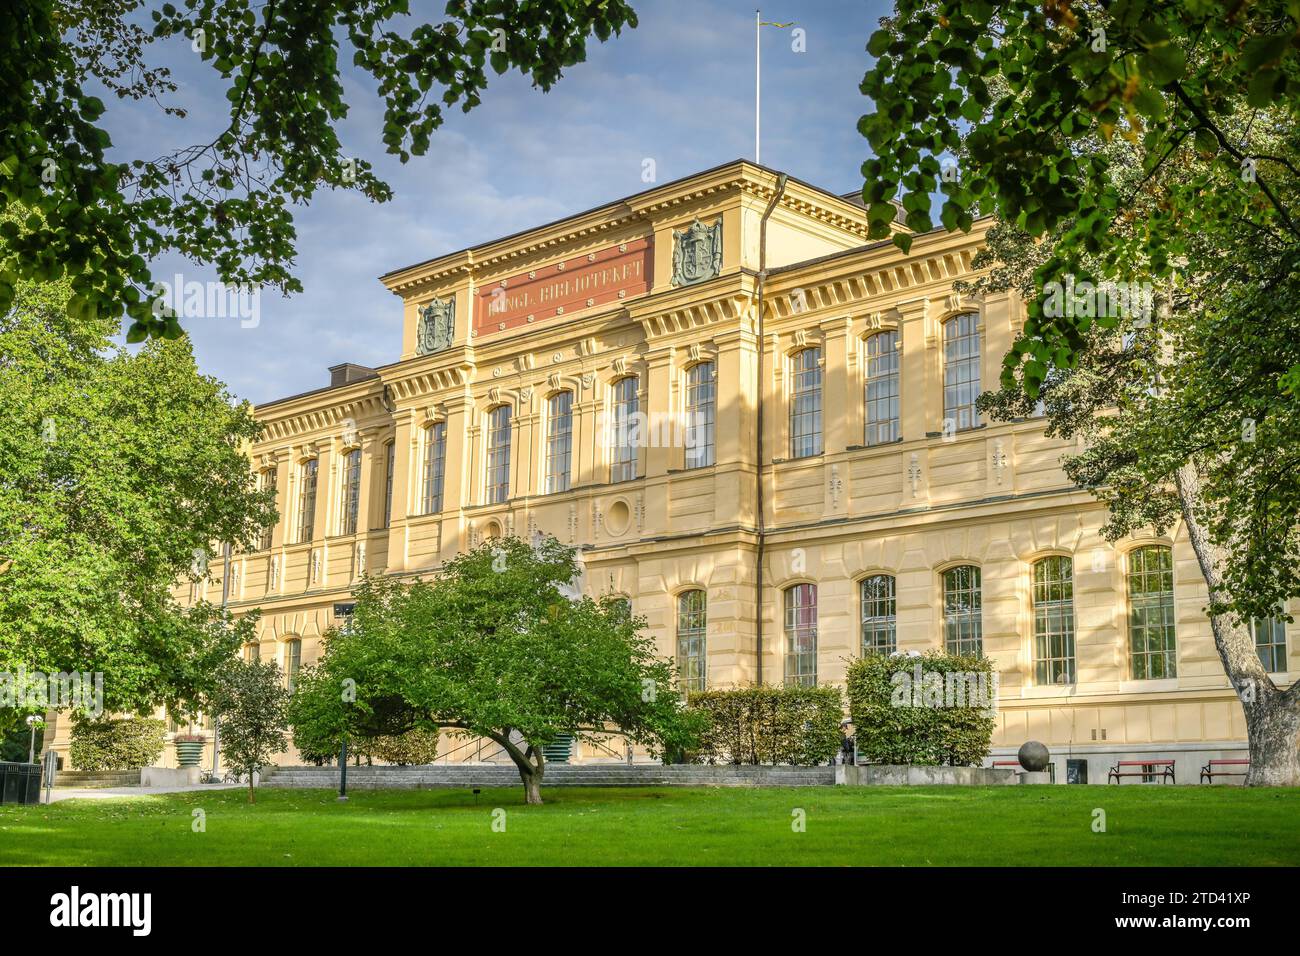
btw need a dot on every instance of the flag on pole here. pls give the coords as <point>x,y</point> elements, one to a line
<point>759,23</point>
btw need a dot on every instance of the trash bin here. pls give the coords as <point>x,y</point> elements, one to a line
<point>20,783</point>
<point>1076,771</point>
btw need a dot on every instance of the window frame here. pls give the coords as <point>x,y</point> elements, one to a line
<point>625,407</point>
<point>496,474</point>
<point>805,420</point>
<point>692,640</point>
<point>559,444</point>
<point>963,626</point>
<point>701,415</point>
<point>1152,647</point>
<point>878,632</point>
<point>433,467</point>
<point>957,333</point>
<point>796,671</point>
<point>881,386</point>
<point>1047,666</point>
<point>350,505</point>
<point>308,486</point>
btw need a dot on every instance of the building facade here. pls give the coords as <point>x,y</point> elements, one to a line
<point>893,517</point>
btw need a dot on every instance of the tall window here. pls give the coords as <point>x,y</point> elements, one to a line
<point>961,371</point>
<point>390,458</point>
<point>701,402</point>
<point>691,621</point>
<point>881,389</point>
<point>806,404</point>
<point>1053,597</point>
<point>879,615</point>
<point>266,481</point>
<point>801,635</point>
<point>1152,647</point>
<point>307,501</point>
<point>963,624</point>
<point>626,430</point>
<point>1270,643</point>
<point>252,652</point>
<point>351,492</point>
<point>498,455</point>
<point>559,442</point>
<point>292,661</point>
<point>435,466</point>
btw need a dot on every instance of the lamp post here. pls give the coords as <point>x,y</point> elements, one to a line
<point>33,722</point>
<point>343,769</point>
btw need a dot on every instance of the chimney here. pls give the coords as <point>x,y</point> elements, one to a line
<point>349,372</point>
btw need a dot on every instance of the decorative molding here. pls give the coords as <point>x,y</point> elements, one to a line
<point>436,327</point>
<point>697,253</point>
<point>999,460</point>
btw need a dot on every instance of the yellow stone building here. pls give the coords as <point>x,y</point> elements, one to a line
<point>884,514</point>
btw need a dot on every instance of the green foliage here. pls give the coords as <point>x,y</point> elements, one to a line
<point>416,746</point>
<point>17,742</point>
<point>898,721</point>
<point>251,702</point>
<point>1027,95</point>
<point>491,646</point>
<point>119,467</point>
<point>126,743</point>
<point>769,725</point>
<point>228,199</point>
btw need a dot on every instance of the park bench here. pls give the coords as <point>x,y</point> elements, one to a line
<point>1142,768</point>
<point>1210,770</point>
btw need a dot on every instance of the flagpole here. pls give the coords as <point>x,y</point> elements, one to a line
<point>758,86</point>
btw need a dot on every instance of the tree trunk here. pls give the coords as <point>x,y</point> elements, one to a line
<point>251,797</point>
<point>1272,715</point>
<point>531,764</point>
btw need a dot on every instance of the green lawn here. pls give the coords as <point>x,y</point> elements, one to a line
<point>905,826</point>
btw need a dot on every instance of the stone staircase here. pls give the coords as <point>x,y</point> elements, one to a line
<point>557,775</point>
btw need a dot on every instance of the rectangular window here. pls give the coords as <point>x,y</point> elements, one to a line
<point>881,389</point>
<point>1053,597</point>
<point>623,463</point>
<point>498,456</point>
<point>390,457</point>
<point>307,501</point>
<point>1152,646</point>
<point>701,401</point>
<point>268,483</point>
<point>801,635</point>
<point>691,626</point>
<point>435,463</point>
<point>961,372</point>
<point>963,626</point>
<point>879,615</point>
<point>806,404</point>
<point>351,492</point>
<point>1270,643</point>
<point>559,442</point>
<point>292,661</point>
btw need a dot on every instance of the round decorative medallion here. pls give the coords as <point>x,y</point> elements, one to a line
<point>560,267</point>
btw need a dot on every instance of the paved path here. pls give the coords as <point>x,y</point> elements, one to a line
<point>109,793</point>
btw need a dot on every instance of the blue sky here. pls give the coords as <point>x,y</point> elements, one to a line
<point>678,89</point>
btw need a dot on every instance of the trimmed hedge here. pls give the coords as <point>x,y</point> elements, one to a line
<point>899,721</point>
<point>415,747</point>
<point>128,743</point>
<point>769,725</point>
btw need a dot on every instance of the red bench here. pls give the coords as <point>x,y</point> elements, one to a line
<point>1208,772</point>
<point>1144,768</point>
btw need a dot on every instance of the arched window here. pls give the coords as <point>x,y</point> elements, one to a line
<point>1152,644</point>
<point>497,488</point>
<point>881,388</point>
<point>266,481</point>
<point>626,436</point>
<point>1053,599</point>
<point>351,499</point>
<point>1270,642</point>
<point>252,652</point>
<point>701,400</point>
<point>963,625</point>
<point>390,458</point>
<point>292,661</point>
<point>691,622</point>
<point>879,615</point>
<point>307,501</point>
<point>559,441</point>
<point>435,467</point>
<point>801,635</point>
<point>806,404</point>
<point>961,372</point>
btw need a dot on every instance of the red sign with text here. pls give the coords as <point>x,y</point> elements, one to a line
<point>562,288</point>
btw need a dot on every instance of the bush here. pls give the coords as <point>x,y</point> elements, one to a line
<point>128,743</point>
<point>946,718</point>
<point>769,725</point>
<point>418,746</point>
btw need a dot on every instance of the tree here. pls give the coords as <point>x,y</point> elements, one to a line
<point>492,647</point>
<point>1133,143</point>
<point>251,702</point>
<point>227,199</point>
<point>120,471</point>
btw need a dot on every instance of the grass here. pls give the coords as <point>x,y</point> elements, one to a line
<point>885,826</point>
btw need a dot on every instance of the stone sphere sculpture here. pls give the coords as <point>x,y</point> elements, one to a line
<point>1033,756</point>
